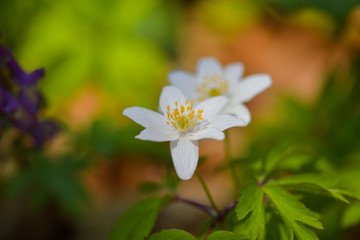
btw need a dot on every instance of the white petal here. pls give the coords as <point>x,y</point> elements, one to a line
<point>158,135</point>
<point>185,156</point>
<point>211,106</point>
<point>185,82</point>
<point>225,121</point>
<point>169,95</point>
<point>209,132</point>
<point>145,117</point>
<point>239,110</point>
<point>233,72</point>
<point>208,66</point>
<point>250,86</point>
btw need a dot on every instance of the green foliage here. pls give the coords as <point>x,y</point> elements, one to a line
<point>170,183</point>
<point>95,41</point>
<point>351,216</point>
<point>149,187</point>
<point>104,138</point>
<point>316,184</point>
<point>231,16</point>
<point>293,213</point>
<point>338,10</point>
<point>250,209</point>
<point>225,235</point>
<point>173,234</point>
<point>250,212</point>
<point>107,140</point>
<point>274,227</point>
<point>285,156</point>
<point>316,148</point>
<point>51,180</point>
<point>137,222</point>
<point>171,180</point>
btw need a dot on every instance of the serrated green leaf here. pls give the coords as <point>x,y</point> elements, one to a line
<point>275,230</point>
<point>138,221</point>
<point>250,209</point>
<point>225,235</point>
<point>173,234</point>
<point>348,193</point>
<point>293,213</point>
<point>317,184</point>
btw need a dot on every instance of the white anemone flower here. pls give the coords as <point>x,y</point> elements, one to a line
<point>212,80</point>
<point>183,124</point>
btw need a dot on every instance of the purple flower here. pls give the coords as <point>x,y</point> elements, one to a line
<point>21,77</point>
<point>8,102</point>
<point>30,98</point>
<point>44,131</point>
<point>21,100</point>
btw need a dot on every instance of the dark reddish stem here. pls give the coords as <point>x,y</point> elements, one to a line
<point>205,208</point>
<point>216,216</point>
<point>220,217</point>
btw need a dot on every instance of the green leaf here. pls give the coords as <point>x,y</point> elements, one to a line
<point>275,229</point>
<point>173,234</point>
<point>149,187</point>
<point>280,153</point>
<point>351,216</point>
<point>250,209</point>
<point>225,235</point>
<point>138,221</point>
<point>293,213</point>
<point>171,180</point>
<point>317,184</point>
<point>284,156</point>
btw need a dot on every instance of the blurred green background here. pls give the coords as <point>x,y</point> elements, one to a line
<point>103,56</point>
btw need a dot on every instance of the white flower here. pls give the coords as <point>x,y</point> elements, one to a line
<point>212,80</point>
<point>183,124</point>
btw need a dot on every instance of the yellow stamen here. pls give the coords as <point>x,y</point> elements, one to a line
<point>182,109</point>
<point>211,86</point>
<point>183,118</point>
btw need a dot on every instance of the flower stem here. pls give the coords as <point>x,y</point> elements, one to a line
<point>217,216</point>
<point>228,208</point>
<point>206,189</point>
<point>205,208</point>
<point>228,158</point>
<point>211,228</point>
<point>220,217</point>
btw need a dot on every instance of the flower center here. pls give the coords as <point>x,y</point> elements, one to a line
<point>214,92</point>
<point>184,117</point>
<point>211,86</point>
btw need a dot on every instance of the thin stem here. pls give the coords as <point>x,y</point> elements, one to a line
<point>217,216</point>
<point>211,228</point>
<point>206,189</point>
<point>220,217</point>
<point>205,208</point>
<point>228,208</point>
<point>228,159</point>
